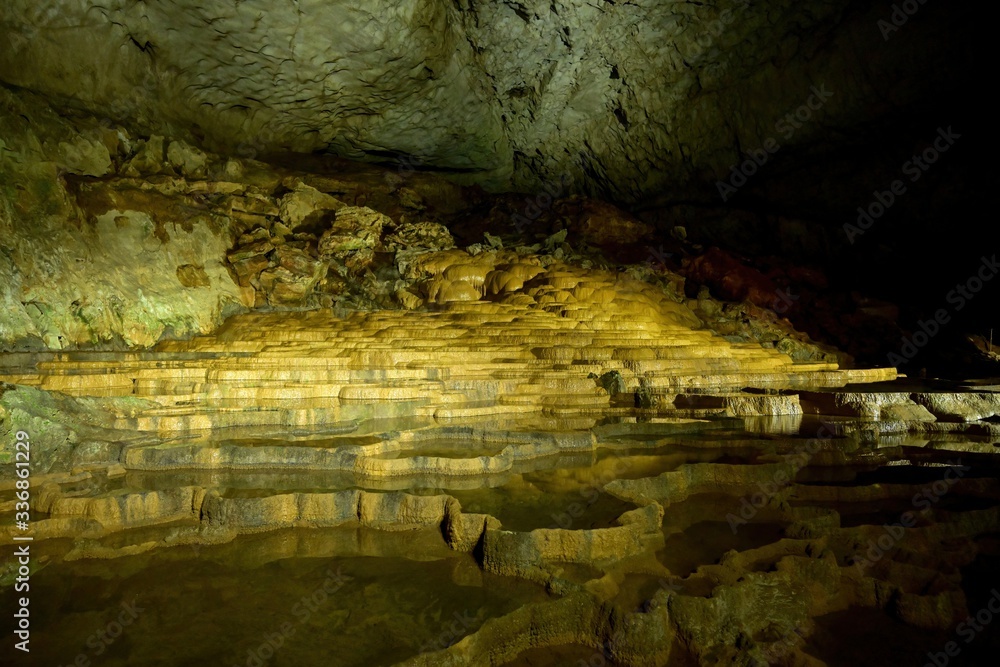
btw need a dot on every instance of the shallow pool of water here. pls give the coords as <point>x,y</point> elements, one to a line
<point>287,598</point>
<point>704,543</point>
<point>365,597</point>
<point>875,641</point>
<point>540,501</point>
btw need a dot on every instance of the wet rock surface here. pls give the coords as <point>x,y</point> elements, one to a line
<point>578,446</point>
<point>204,236</point>
<point>654,520</point>
<point>537,93</point>
<point>727,541</point>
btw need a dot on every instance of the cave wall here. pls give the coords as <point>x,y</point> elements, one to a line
<point>130,269</point>
<point>648,104</point>
<point>634,99</point>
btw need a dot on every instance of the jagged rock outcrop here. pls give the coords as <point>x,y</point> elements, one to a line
<point>607,435</point>
<point>96,264</point>
<point>623,98</point>
<point>205,236</point>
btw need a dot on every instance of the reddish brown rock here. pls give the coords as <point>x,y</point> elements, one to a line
<point>297,261</point>
<point>731,280</point>
<point>600,223</point>
<point>247,270</point>
<point>248,251</point>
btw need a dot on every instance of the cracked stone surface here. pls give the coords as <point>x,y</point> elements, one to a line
<point>629,99</point>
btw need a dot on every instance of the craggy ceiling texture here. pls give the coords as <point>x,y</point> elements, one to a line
<point>635,100</point>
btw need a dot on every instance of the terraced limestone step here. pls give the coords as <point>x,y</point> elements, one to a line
<point>529,349</point>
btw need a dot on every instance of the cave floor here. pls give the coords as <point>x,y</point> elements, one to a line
<point>490,484</point>
<point>649,547</point>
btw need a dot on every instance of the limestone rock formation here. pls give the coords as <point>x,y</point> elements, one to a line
<point>633,437</point>
<point>97,264</point>
<point>352,239</point>
<point>621,582</point>
<point>209,236</point>
<point>528,349</point>
<point>621,98</point>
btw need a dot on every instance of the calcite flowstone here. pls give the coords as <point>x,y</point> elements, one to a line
<point>757,603</point>
<point>532,347</point>
<point>744,405</point>
<point>906,406</point>
<point>960,407</point>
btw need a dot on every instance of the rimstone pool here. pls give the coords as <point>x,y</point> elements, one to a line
<point>562,333</point>
<point>674,535</point>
